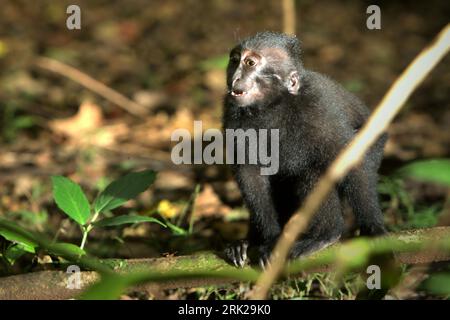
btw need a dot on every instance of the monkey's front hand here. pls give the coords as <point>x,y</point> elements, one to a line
<point>237,253</point>
<point>264,251</point>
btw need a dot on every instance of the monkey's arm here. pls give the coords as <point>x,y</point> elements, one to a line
<point>360,189</point>
<point>256,191</point>
<point>264,227</point>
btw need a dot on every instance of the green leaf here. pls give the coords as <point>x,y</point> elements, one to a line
<point>26,243</point>
<point>67,248</point>
<point>110,287</point>
<point>176,230</point>
<point>14,252</point>
<point>59,250</point>
<point>70,198</point>
<point>116,221</point>
<point>123,189</point>
<point>437,170</point>
<point>438,284</point>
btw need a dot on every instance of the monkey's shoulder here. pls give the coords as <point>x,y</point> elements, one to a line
<point>331,99</point>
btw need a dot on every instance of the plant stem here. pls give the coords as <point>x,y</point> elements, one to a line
<point>194,198</point>
<point>83,241</point>
<point>87,229</point>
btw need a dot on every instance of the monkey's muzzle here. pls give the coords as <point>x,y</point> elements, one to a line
<point>238,93</point>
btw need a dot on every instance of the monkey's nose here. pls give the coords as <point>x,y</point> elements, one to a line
<point>238,88</point>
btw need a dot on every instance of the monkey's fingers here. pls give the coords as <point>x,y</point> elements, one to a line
<point>264,261</point>
<point>237,253</point>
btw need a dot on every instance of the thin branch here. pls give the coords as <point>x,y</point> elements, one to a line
<point>288,16</point>
<point>91,84</point>
<point>352,154</point>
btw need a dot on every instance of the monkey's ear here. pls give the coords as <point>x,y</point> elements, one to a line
<point>293,83</point>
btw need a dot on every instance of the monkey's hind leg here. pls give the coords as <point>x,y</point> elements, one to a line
<point>325,229</point>
<point>360,188</point>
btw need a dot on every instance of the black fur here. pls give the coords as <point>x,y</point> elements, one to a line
<point>314,125</point>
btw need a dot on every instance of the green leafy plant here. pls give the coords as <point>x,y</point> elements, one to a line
<point>71,199</point>
<point>433,170</point>
<point>400,203</point>
<point>19,244</point>
<point>438,284</point>
<point>176,230</point>
<point>20,238</point>
<point>186,215</point>
<point>22,241</point>
<point>11,122</point>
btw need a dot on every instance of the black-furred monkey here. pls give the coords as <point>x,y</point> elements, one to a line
<point>268,88</point>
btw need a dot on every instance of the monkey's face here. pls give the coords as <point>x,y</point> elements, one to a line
<point>260,76</point>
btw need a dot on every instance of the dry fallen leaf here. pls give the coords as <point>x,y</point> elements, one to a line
<point>208,204</point>
<point>86,127</point>
<point>173,180</point>
<point>89,117</point>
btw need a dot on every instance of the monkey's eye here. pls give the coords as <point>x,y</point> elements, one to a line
<point>250,62</point>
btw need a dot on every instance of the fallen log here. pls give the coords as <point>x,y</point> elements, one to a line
<point>53,284</point>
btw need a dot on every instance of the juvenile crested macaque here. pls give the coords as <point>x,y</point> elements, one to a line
<point>268,88</point>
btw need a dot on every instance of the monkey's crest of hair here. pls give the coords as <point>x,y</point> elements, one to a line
<point>270,39</point>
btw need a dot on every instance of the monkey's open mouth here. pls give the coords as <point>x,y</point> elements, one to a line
<point>238,93</point>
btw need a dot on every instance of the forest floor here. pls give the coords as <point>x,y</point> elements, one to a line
<point>169,57</point>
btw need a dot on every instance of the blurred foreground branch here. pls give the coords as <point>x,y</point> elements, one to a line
<point>91,84</point>
<point>353,153</point>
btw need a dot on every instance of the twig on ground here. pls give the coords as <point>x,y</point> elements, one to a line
<point>289,19</point>
<point>91,84</point>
